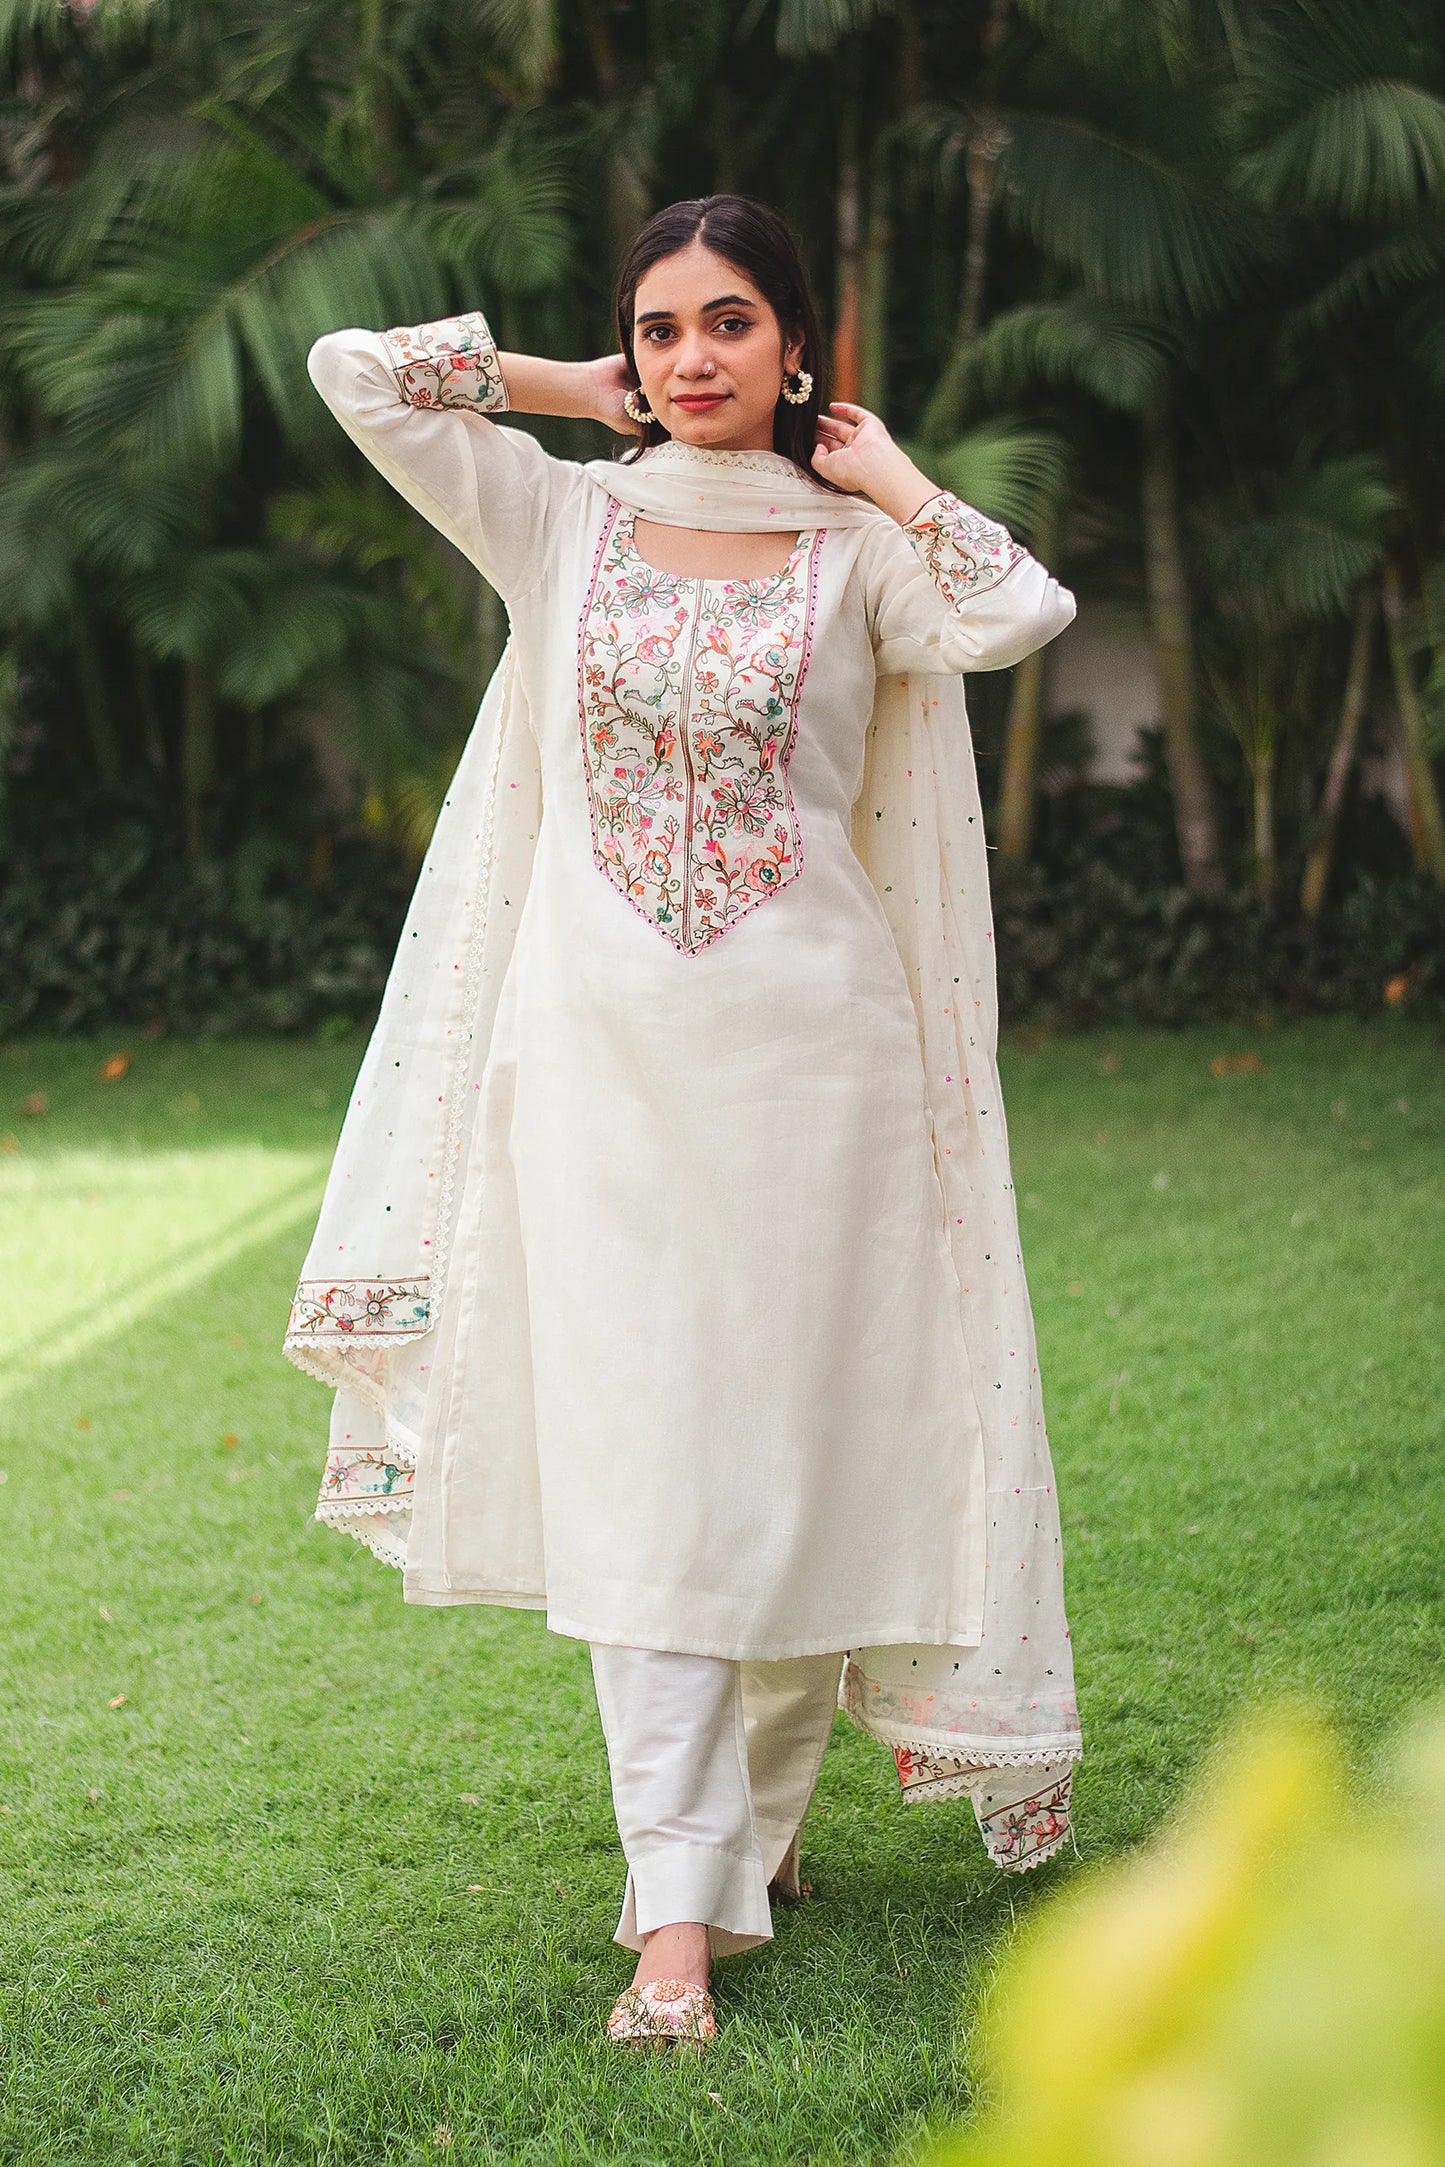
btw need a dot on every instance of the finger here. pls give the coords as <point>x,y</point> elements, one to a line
<point>846,406</point>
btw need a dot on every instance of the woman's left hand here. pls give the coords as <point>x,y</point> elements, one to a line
<point>855,451</point>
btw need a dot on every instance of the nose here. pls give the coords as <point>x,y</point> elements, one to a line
<point>693,356</point>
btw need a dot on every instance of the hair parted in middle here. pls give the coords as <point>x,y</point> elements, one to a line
<point>757,242</point>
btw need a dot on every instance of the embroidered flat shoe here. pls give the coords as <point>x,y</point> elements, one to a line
<point>663,2013</point>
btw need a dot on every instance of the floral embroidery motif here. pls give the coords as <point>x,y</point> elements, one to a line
<point>452,362</point>
<point>1018,1831</point>
<point>962,551</point>
<point>361,1473</point>
<point>688,693</point>
<point>669,2012</point>
<point>359,1305</point>
<point>1027,1831</point>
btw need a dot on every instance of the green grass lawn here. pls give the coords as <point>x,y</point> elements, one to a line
<point>295,1873</point>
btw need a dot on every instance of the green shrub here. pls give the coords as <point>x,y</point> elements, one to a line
<point>115,934</point>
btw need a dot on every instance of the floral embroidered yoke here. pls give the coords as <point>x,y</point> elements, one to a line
<point>688,694</point>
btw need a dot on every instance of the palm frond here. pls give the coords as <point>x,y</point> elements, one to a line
<point>1077,343</point>
<point>1340,113</point>
<point>1134,37</point>
<point>526,34</point>
<point>191,611</point>
<point>815,26</point>
<point>1015,474</point>
<point>1422,335</point>
<point>1137,230</point>
<point>1365,151</point>
<point>346,521</point>
<point>1303,559</point>
<point>1375,277</point>
<point>300,622</point>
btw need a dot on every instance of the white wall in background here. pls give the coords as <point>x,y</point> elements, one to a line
<point>1105,665</point>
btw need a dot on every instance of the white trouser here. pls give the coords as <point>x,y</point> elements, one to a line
<point>713,1764</point>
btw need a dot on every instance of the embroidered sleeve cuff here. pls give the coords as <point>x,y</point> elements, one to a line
<point>961,550</point>
<point>452,362</point>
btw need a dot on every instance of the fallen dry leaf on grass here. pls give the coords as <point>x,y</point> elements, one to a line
<point>118,1702</point>
<point>115,1066</point>
<point>37,1103</point>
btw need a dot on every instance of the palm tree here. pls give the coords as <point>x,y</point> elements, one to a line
<point>189,271</point>
<point>1281,567</point>
<point>1111,169</point>
<point>1343,123</point>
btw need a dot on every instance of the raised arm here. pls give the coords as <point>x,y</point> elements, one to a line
<point>955,591</point>
<point>419,400</point>
<point>947,588</point>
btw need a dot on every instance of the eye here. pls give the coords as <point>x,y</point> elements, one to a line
<point>744,323</point>
<point>647,336</point>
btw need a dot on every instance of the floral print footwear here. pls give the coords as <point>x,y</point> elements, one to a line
<point>663,2013</point>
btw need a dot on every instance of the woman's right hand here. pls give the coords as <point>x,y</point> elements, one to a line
<point>609,381</point>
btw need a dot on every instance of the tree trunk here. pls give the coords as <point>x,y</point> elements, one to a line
<point>96,704</point>
<point>1168,592</point>
<point>1427,827</point>
<point>1342,759</point>
<point>1261,769</point>
<point>1019,786</point>
<point>944,411</point>
<point>873,312</point>
<point>143,679</point>
<point>1020,760</point>
<point>198,757</point>
<point>846,375</point>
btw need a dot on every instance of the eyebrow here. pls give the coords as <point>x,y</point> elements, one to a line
<point>726,300</point>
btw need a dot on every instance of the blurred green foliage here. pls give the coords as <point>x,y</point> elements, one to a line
<point>1262,1985</point>
<point>1162,285</point>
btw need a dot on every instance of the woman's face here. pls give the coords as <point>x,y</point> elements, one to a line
<point>709,351</point>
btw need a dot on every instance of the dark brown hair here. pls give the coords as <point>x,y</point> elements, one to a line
<point>757,242</point>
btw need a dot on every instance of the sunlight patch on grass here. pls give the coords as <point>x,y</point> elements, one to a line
<point>99,1238</point>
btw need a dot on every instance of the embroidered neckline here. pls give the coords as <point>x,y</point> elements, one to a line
<point>674,453</point>
<point>627,520</point>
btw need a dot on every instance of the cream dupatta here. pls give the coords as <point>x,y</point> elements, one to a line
<point>997,1722</point>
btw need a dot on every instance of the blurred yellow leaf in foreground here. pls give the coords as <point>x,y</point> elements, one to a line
<point>1261,1986</point>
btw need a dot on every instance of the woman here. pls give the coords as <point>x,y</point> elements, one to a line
<point>668,1271</point>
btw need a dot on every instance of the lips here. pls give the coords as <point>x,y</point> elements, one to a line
<point>701,402</point>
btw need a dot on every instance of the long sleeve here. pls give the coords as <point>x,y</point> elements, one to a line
<point>951,590</point>
<point>418,400</point>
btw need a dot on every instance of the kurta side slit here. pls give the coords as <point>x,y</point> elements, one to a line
<point>701,1381</point>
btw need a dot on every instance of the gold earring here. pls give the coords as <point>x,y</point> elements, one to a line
<point>803,389</point>
<point>630,404</point>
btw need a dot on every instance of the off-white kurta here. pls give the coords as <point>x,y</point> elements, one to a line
<point>727,1405</point>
